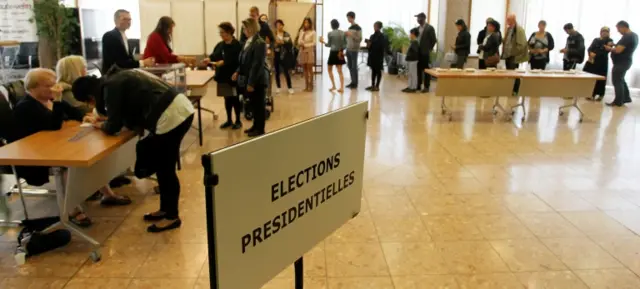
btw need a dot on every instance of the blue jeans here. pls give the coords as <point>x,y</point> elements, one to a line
<point>352,64</point>
<point>618,72</point>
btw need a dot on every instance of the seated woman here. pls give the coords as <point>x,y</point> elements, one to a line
<point>68,70</point>
<point>41,110</point>
<point>159,44</point>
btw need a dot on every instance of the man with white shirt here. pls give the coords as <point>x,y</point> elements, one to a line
<point>115,46</point>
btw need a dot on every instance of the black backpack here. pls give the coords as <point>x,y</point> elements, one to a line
<point>40,243</point>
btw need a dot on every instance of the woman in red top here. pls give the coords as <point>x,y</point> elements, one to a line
<point>158,43</point>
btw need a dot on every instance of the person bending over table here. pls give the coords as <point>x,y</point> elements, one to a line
<point>138,100</point>
<point>225,58</point>
<point>253,75</point>
<point>159,44</point>
<point>41,110</point>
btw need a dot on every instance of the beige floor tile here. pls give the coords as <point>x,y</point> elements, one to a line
<point>33,283</point>
<point>174,261</point>
<point>401,229</point>
<point>551,280</point>
<point>357,230</point>
<point>596,223</point>
<point>382,190</point>
<point>427,205</point>
<point>527,255</point>
<point>482,204</point>
<point>97,283</point>
<point>563,201</point>
<point>390,206</point>
<point>119,260</point>
<point>162,283</point>
<point>609,279</point>
<point>314,265</point>
<point>464,186</point>
<point>63,262</point>
<point>489,281</point>
<point>471,258</point>
<point>452,228</point>
<point>406,259</point>
<point>426,282</point>
<point>549,225</point>
<point>581,253</point>
<point>355,260</point>
<point>500,227</point>
<point>625,249</point>
<point>628,218</point>
<point>525,203</point>
<point>283,283</point>
<point>360,283</point>
<point>607,201</point>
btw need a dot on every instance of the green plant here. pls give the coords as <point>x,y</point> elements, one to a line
<point>397,36</point>
<point>56,24</point>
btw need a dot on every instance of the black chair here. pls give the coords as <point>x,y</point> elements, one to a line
<point>27,56</point>
<point>16,91</point>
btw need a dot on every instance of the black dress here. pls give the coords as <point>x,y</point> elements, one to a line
<point>230,54</point>
<point>377,48</point>
<point>600,64</point>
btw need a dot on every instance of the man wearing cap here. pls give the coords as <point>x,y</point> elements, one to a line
<point>427,41</point>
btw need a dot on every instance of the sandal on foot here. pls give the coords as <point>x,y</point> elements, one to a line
<point>83,222</point>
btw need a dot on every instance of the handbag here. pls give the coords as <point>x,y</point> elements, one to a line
<point>341,55</point>
<point>451,57</point>
<point>145,159</point>
<point>492,60</point>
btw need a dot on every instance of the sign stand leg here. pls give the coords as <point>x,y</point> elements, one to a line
<point>299,273</point>
<point>210,181</point>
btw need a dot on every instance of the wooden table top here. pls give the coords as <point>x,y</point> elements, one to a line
<point>199,78</point>
<point>71,146</point>
<point>511,74</point>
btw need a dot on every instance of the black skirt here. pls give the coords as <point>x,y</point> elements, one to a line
<point>335,59</point>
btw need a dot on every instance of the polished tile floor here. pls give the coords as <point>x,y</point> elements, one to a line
<point>473,203</point>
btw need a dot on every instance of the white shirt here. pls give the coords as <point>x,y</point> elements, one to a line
<point>179,110</point>
<point>307,39</point>
<point>125,40</point>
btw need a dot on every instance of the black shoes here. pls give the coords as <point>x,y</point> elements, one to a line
<point>370,88</point>
<point>352,85</point>
<point>251,129</point>
<point>255,133</point>
<point>615,104</point>
<point>119,182</point>
<point>425,90</point>
<point>227,124</point>
<point>408,90</point>
<point>156,229</point>
<point>237,125</point>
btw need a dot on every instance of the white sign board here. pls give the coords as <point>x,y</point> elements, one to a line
<point>14,21</point>
<point>281,194</point>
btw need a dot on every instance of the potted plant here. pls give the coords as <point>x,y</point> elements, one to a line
<point>398,42</point>
<point>55,26</point>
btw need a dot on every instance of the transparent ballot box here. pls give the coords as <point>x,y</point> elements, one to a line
<point>174,74</point>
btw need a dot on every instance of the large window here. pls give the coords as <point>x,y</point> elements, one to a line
<point>587,17</point>
<point>480,11</point>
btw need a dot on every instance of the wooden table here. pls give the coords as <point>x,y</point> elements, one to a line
<point>90,157</point>
<point>197,84</point>
<point>500,83</point>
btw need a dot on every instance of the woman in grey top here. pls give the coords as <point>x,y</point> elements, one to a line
<point>338,43</point>
<point>540,43</point>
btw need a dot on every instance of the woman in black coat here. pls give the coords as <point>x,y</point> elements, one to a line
<point>540,43</point>
<point>481,37</point>
<point>225,59</point>
<point>377,45</point>
<point>598,62</point>
<point>253,76</point>
<point>490,47</point>
<point>284,59</point>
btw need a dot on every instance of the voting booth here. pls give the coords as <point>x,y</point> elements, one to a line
<point>271,199</point>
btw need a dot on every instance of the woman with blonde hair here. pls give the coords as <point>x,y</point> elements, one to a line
<point>68,70</point>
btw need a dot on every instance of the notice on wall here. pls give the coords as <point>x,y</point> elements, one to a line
<point>14,21</point>
<point>281,194</point>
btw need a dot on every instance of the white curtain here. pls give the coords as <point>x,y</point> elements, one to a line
<point>400,12</point>
<point>587,16</point>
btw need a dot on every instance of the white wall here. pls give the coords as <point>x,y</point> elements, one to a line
<point>106,8</point>
<point>216,12</point>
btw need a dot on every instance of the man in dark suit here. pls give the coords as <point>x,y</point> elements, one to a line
<point>427,41</point>
<point>115,46</point>
<point>265,31</point>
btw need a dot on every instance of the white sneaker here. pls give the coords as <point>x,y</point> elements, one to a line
<point>290,90</point>
<point>277,90</point>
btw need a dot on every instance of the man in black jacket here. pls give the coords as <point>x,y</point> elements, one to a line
<point>462,47</point>
<point>575,50</point>
<point>140,101</point>
<point>427,41</point>
<point>115,45</point>
<point>265,30</point>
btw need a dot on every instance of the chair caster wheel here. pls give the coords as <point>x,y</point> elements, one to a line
<point>215,117</point>
<point>580,120</point>
<point>443,112</point>
<point>561,113</point>
<point>95,256</point>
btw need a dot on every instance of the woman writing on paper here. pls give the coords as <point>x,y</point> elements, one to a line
<point>159,44</point>
<point>225,60</point>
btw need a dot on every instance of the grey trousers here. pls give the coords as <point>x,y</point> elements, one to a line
<point>352,64</point>
<point>413,74</point>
